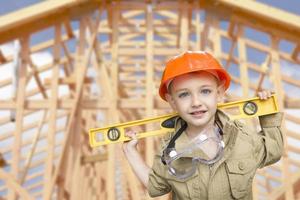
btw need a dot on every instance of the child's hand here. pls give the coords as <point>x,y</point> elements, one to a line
<point>133,156</point>
<point>265,94</point>
<point>129,145</point>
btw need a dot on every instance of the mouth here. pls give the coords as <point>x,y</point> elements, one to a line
<point>198,113</point>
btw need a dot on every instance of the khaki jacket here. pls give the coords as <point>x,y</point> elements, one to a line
<point>231,177</point>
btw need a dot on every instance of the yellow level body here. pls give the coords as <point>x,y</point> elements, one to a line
<point>236,110</point>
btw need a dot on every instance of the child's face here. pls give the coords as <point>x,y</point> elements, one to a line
<point>195,96</point>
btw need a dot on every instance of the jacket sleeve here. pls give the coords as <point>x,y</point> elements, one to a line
<point>269,141</point>
<point>157,184</point>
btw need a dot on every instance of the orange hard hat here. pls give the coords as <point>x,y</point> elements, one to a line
<point>191,61</point>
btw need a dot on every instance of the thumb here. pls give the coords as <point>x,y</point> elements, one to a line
<point>133,142</point>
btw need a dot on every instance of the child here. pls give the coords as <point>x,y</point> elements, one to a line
<point>208,156</point>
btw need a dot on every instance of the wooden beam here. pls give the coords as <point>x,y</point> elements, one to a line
<point>34,140</point>
<point>68,29</point>
<point>2,161</point>
<point>198,27</point>
<point>63,103</point>
<point>205,31</point>
<point>295,53</point>
<point>272,18</point>
<point>27,142</point>
<point>37,77</point>
<point>81,69</point>
<point>14,186</point>
<point>93,158</point>
<point>149,104</point>
<point>183,31</point>
<point>2,57</point>
<point>279,90</point>
<point>293,118</point>
<point>279,193</point>
<point>293,149</point>
<point>20,110</point>
<point>242,51</point>
<point>113,96</point>
<point>53,111</point>
<point>41,16</point>
<point>292,103</point>
<point>70,80</point>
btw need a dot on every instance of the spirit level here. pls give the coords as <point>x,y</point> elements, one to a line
<point>236,110</point>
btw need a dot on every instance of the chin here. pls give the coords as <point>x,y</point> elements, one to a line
<point>199,122</point>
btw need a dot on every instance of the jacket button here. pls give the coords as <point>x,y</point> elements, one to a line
<point>241,166</point>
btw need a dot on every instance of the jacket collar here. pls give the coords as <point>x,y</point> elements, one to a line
<point>229,129</point>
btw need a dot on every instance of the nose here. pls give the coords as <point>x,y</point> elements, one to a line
<point>196,102</point>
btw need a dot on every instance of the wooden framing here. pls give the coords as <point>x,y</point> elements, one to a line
<point>102,62</point>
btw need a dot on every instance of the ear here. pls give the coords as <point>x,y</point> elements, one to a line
<point>171,101</point>
<point>220,93</point>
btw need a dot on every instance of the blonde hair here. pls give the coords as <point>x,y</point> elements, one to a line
<point>220,83</point>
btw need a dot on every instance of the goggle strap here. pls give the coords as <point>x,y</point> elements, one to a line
<point>172,141</point>
<point>177,134</point>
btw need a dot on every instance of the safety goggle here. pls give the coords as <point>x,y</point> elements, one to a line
<point>183,162</point>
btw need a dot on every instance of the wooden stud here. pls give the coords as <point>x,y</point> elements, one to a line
<point>20,111</point>
<point>183,34</point>
<point>149,79</point>
<point>53,111</point>
<point>296,51</point>
<point>149,88</point>
<point>113,112</point>
<point>243,62</point>
<point>289,194</point>
<point>198,27</point>
<point>264,66</point>
<point>33,148</point>
<point>2,57</point>
<point>82,68</point>
<point>14,186</point>
<point>2,161</point>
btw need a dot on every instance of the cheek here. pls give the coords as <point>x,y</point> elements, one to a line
<point>212,103</point>
<point>182,105</point>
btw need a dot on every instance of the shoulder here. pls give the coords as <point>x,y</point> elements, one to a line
<point>243,127</point>
<point>243,146</point>
<point>246,135</point>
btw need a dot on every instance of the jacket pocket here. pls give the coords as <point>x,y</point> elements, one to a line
<point>184,188</point>
<point>240,174</point>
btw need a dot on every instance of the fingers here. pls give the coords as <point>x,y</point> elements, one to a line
<point>131,134</point>
<point>132,143</point>
<point>265,94</point>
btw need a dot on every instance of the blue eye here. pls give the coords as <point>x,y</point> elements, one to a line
<point>206,91</point>
<point>183,94</point>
